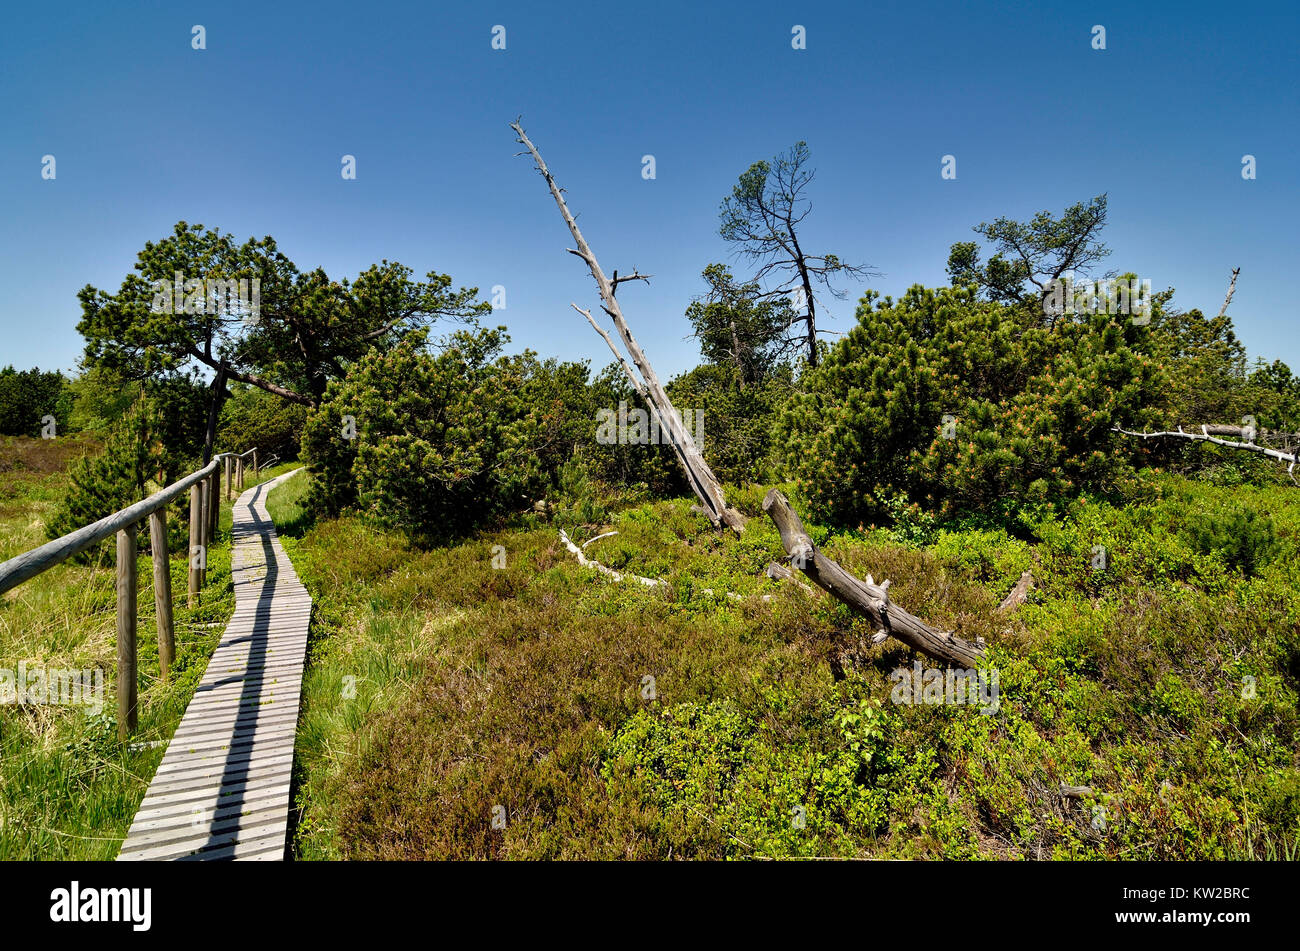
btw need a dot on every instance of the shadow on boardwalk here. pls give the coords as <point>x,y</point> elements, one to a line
<point>222,790</point>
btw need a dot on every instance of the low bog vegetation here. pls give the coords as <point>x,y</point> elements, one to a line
<point>442,688</point>
<point>473,692</point>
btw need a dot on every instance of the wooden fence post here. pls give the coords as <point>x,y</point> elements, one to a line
<point>162,590</point>
<point>227,478</point>
<point>205,526</point>
<point>196,542</point>
<point>255,465</point>
<point>214,504</point>
<point>126,620</point>
<point>239,468</point>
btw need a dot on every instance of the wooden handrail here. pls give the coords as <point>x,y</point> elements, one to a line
<point>29,564</point>
<point>204,485</point>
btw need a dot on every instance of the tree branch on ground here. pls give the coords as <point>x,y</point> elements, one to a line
<point>865,598</point>
<point>640,579</point>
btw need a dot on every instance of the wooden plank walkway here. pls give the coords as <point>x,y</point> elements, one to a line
<point>222,788</point>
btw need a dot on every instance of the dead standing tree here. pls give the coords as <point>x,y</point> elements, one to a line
<point>1212,432</point>
<point>763,216</point>
<point>867,598</point>
<point>698,473</point>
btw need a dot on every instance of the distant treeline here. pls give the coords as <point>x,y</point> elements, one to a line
<point>28,398</point>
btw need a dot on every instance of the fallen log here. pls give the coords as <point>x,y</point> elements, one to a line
<point>866,598</point>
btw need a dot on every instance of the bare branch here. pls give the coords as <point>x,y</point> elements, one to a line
<point>636,381</point>
<point>634,276</point>
<point>1232,288</point>
<point>1205,436</point>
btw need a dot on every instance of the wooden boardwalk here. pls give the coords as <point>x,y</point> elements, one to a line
<point>222,789</point>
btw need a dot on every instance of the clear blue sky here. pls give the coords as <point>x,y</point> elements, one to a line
<point>248,134</point>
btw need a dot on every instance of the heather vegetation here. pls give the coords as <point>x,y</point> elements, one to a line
<point>474,691</point>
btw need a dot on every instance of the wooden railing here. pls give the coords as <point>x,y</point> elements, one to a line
<point>205,506</point>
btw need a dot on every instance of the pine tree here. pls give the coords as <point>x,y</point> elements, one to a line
<point>115,477</point>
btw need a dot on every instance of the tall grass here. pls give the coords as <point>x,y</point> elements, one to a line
<point>68,788</point>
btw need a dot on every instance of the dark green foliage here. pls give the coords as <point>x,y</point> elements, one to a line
<point>959,402</point>
<point>1243,538</point>
<point>27,397</point>
<point>565,406</point>
<point>254,418</point>
<point>738,328</point>
<point>443,442</point>
<point>307,328</point>
<point>652,466</point>
<point>739,422</point>
<point>115,477</point>
<point>1271,394</point>
<point>1206,367</point>
<point>1036,252</point>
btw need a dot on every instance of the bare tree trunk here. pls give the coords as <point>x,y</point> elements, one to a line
<point>866,598</point>
<point>1232,287</point>
<point>214,412</point>
<point>808,292</point>
<point>698,473</point>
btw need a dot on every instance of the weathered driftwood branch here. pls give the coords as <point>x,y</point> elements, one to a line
<point>597,538</point>
<point>1232,288</point>
<point>698,472</point>
<point>1019,594</point>
<point>604,569</point>
<point>1262,436</point>
<point>1205,436</point>
<point>640,579</point>
<point>866,598</point>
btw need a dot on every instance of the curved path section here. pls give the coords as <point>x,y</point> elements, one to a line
<point>222,788</point>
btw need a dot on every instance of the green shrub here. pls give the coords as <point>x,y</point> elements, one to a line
<point>989,556</point>
<point>966,404</point>
<point>441,442</point>
<point>1244,538</point>
<point>112,479</point>
<point>252,417</point>
<point>739,422</point>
